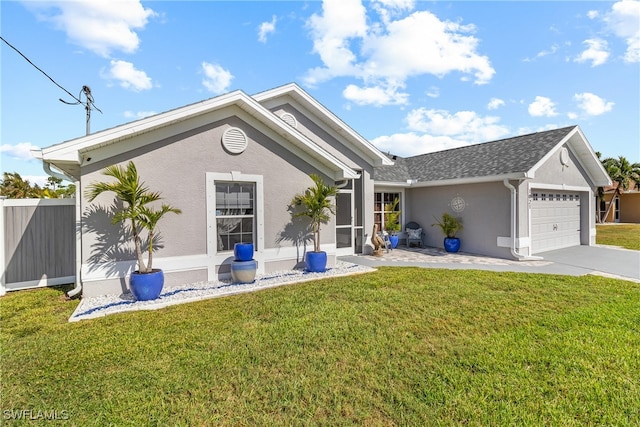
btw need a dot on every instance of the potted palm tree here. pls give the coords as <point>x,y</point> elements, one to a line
<point>392,221</point>
<point>146,282</point>
<point>450,225</point>
<point>315,203</point>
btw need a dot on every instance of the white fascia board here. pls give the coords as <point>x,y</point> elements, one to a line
<point>580,147</point>
<point>467,181</point>
<point>361,144</point>
<point>71,151</point>
<point>338,169</point>
<point>532,172</point>
<point>395,184</point>
<point>595,169</point>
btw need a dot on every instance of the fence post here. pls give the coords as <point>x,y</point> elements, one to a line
<point>3,265</point>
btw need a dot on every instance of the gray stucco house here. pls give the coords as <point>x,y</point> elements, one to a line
<point>233,163</point>
<point>516,197</point>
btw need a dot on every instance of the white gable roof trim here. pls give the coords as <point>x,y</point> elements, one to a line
<point>71,152</point>
<point>580,147</point>
<point>359,144</point>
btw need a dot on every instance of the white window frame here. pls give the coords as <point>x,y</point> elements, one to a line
<point>216,257</point>
<point>382,212</point>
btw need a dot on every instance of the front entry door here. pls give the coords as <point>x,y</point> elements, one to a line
<point>344,222</point>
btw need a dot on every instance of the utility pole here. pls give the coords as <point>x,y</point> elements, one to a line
<point>88,105</point>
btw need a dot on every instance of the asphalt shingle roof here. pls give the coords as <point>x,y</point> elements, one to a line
<point>505,156</point>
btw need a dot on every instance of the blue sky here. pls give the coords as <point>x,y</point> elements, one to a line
<point>412,77</point>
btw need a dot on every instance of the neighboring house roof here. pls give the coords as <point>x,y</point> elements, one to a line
<point>69,156</point>
<point>512,158</point>
<point>634,187</point>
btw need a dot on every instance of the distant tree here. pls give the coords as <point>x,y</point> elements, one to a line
<point>622,172</point>
<point>14,186</point>
<point>54,189</point>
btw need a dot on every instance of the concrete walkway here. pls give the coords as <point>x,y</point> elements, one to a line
<point>606,261</point>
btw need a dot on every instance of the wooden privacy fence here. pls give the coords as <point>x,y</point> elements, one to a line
<point>38,239</point>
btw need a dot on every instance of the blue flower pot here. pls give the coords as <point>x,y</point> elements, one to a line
<point>244,271</point>
<point>243,251</point>
<point>393,238</point>
<point>451,244</point>
<point>146,286</point>
<point>316,261</point>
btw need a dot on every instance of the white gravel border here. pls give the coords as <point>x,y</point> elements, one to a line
<point>100,306</point>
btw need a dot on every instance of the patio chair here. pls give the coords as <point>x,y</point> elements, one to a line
<point>414,234</point>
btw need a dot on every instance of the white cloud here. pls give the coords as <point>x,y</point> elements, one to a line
<point>592,105</point>
<point>387,9</point>
<point>553,49</point>
<point>392,50</point>
<point>542,106</point>
<point>20,151</point>
<point>495,103</point>
<point>377,96</point>
<point>411,144</point>
<point>266,28</point>
<point>341,21</point>
<point>217,80</point>
<point>434,130</point>
<point>128,76</point>
<point>101,26</point>
<point>433,92</point>
<point>597,52</point>
<point>40,180</point>
<point>138,114</point>
<point>624,21</point>
<point>593,14</point>
<point>464,125</point>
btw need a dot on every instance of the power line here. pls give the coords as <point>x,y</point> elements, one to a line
<point>85,89</point>
<point>38,68</point>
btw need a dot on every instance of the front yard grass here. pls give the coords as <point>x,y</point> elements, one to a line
<point>624,235</point>
<point>401,346</point>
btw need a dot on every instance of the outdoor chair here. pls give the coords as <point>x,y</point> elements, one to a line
<point>414,234</point>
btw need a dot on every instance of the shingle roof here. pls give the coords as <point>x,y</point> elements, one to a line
<point>502,157</point>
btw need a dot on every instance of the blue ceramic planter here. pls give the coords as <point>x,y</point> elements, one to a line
<point>244,271</point>
<point>146,286</point>
<point>451,244</point>
<point>393,238</point>
<point>316,261</point>
<point>243,251</point>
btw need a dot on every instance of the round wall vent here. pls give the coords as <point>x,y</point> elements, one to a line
<point>289,119</point>
<point>234,140</point>
<point>564,156</point>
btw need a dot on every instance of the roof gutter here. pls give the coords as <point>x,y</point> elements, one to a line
<point>514,218</point>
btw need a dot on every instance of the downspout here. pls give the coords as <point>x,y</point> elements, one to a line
<point>514,219</point>
<point>78,285</point>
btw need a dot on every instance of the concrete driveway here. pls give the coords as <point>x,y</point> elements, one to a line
<point>607,260</point>
<point>575,261</point>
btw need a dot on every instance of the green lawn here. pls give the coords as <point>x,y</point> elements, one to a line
<point>401,346</point>
<point>625,235</point>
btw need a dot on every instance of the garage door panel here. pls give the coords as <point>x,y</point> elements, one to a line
<point>555,220</point>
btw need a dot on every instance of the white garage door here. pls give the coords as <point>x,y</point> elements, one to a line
<point>555,220</point>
